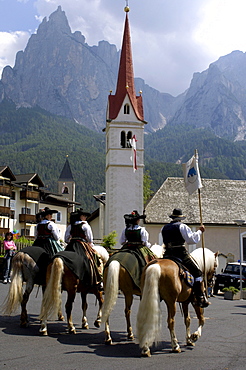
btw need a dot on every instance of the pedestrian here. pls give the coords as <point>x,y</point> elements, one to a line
<point>48,233</point>
<point>10,248</point>
<point>174,235</point>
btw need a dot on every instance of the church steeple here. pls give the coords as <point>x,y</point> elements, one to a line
<point>66,183</point>
<point>125,83</point>
<point>124,128</point>
<point>66,174</point>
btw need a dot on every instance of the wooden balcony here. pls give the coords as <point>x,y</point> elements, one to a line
<point>3,231</point>
<point>32,195</point>
<point>5,211</point>
<point>30,219</point>
<point>5,190</point>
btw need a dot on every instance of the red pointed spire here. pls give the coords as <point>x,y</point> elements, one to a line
<point>125,83</point>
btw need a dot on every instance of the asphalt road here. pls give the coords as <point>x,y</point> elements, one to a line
<point>221,347</point>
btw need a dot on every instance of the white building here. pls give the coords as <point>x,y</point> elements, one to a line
<point>22,197</point>
<point>125,122</point>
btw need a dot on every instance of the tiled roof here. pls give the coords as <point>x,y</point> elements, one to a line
<point>6,172</point>
<point>29,177</point>
<point>222,201</point>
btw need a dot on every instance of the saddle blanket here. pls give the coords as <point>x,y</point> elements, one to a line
<point>132,262</point>
<point>188,278</point>
<point>42,260</point>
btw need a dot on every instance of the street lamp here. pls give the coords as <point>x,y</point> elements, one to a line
<point>239,224</point>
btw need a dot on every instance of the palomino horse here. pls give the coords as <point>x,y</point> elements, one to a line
<point>26,270</point>
<point>116,278</point>
<point>162,281</point>
<point>60,277</point>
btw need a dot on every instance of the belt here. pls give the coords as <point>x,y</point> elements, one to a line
<point>171,245</point>
<point>79,238</point>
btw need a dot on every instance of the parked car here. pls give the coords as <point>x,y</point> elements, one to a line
<point>230,277</point>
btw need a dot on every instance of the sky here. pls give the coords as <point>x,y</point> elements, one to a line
<point>171,39</point>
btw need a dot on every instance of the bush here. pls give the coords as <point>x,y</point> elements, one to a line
<point>109,240</point>
<point>230,289</point>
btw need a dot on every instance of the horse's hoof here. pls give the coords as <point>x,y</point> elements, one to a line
<point>108,342</point>
<point>43,333</point>
<point>61,318</point>
<point>85,326</point>
<point>97,324</point>
<point>130,337</point>
<point>72,331</point>
<point>24,324</point>
<point>146,353</point>
<point>194,337</point>
<point>176,350</point>
<point>190,343</point>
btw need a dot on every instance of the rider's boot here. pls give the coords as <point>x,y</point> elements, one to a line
<point>201,299</point>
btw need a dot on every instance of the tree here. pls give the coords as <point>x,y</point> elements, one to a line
<point>147,192</point>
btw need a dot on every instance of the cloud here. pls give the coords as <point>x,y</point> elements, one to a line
<point>170,39</point>
<point>10,43</point>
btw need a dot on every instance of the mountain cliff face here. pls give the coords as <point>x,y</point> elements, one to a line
<point>216,98</point>
<point>62,74</point>
<point>59,72</point>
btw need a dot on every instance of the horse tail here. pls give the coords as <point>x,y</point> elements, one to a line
<point>148,316</point>
<point>51,302</point>
<point>15,295</point>
<point>111,289</point>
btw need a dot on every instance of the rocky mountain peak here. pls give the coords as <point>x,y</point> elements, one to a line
<point>57,22</point>
<point>59,72</point>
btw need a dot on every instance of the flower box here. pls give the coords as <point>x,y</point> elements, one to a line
<point>231,295</point>
<point>244,294</point>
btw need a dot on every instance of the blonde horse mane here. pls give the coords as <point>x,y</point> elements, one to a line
<point>102,252</point>
<point>158,250</point>
<point>211,259</point>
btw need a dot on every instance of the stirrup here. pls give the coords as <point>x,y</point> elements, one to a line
<point>202,301</point>
<point>100,287</point>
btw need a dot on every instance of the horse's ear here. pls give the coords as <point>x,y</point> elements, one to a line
<point>216,254</point>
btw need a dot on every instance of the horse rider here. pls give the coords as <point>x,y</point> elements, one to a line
<point>135,237</point>
<point>47,232</point>
<point>79,237</point>
<point>174,235</point>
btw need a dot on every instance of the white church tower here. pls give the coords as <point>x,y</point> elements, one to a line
<point>125,123</point>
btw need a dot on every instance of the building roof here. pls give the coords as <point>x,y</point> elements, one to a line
<point>29,177</point>
<point>6,172</point>
<point>125,83</point>
<point>222,201</point>
<point>66,173</point>
<point>55,198</point>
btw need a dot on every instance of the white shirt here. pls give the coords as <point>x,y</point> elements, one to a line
<point>53,227</point>
<point>189,236</point>
<point>85,227</point>
<point>144,235</point>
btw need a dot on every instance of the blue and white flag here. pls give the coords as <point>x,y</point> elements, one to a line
<point>192,176</point>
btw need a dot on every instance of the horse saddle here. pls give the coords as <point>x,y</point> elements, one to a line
<point>183,272</point>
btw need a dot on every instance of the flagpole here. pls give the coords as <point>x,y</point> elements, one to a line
<point>203,244</point>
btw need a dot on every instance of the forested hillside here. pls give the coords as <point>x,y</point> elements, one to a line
<point>218,158</point>
<point>33,140</point>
